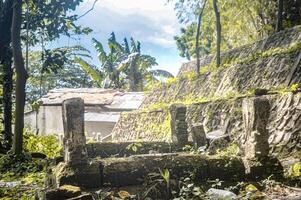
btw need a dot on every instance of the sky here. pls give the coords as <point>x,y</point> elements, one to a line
<point>152,22</point>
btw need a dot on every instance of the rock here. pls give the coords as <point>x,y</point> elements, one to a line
<point>214,134</point>
<point>75,152</point>
<point>218,143</point>
<point>216,194</point>
<point>217,140</point>
<point>178,124</point>
<point>198,135</point>
<point>63,192</point>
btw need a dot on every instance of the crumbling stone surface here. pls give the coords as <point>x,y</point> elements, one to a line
<point>178,124</point>
<point>87,176</point>
<point>147,125</point>
<point>256,115</point>
<point>75,152</point>
<point>116,170</point>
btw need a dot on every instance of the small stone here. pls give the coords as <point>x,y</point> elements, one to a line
<point>216,194</point>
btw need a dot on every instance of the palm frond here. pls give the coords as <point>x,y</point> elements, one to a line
<point>102,56</point>
<point>91,70</point>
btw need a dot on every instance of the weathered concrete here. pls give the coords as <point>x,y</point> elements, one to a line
<point>75,152</point>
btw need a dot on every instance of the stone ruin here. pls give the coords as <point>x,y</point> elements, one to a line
<point>265,124</point>
<point>93,165</point>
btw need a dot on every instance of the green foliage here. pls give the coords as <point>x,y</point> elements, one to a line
<point>242,22</point>
<point>13,165</point>
<point>60,71</point>
<point>134,146</point>
<point>47,145</point>
<point>123,66</point>
<point>230,151</point>
<point>295,170</point>
<point>91,70</point>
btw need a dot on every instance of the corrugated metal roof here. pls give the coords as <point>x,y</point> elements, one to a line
<point>102,117</point>
<point>109,98</point>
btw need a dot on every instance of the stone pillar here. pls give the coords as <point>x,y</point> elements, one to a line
<point>178,124</point>
<point>198,135</point>
<point>75,152</point>
<point>255,115</point>
<point>257,162</point>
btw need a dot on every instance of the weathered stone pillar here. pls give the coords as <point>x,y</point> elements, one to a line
<point>75,152</point>
<point>257,162</point>
<point>255,115</point>
<point>178,124</point>
<point>198,135</point>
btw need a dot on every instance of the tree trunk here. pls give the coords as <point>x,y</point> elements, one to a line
<point>218,33</point>
<point>197,41</point>
<point>21,76</point>
<point>280,16</point>
<point>6,62</point>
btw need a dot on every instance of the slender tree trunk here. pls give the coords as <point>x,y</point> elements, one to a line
<point>280,16</point>
<point>218,33</point>
<point>197,40</point>
<point>6,62</point>
<point>21,76</point>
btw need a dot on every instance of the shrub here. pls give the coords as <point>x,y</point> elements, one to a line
<point>48,145</point>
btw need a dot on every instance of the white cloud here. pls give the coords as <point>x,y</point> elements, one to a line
<point>161,41</point>
<point>153,22</point>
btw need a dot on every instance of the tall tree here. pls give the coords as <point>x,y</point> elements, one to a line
<point>21,76</point>
<point>218,33</point>
<point>279,17</point>
<point>197,42</point>
<point>6,13</point>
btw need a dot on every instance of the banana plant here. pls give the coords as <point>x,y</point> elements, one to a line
<point>124,66</point>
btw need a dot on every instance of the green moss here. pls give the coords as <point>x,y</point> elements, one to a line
<point>230,151</point>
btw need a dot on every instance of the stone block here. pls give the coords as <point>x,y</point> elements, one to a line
<point>198,135</point>
<point>256,115</point>
<point>75,152</point>
<point>178,124</point>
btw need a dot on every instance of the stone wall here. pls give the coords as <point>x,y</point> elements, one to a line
<point>269,63</point>
<point>284,123</point>
<point>143,125</point>
<point>272,63</point>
